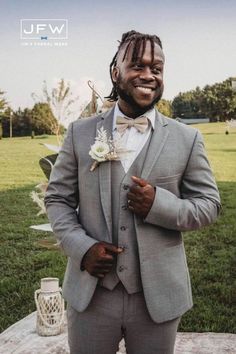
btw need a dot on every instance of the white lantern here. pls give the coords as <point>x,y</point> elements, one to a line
<point>50,308</point>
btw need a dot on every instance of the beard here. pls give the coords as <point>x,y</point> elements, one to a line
<point>129,99</point>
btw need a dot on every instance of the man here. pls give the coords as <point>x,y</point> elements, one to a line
<point>121,224</point>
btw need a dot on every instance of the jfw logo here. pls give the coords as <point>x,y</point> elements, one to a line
<point>44,29</point>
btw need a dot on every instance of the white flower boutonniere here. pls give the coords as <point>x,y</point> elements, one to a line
<point>105,149</point>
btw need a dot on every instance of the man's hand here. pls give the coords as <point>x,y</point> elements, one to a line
<point>141,197</point>
<point>99,259</point>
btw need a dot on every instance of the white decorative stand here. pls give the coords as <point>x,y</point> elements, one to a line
<point>50,308</point>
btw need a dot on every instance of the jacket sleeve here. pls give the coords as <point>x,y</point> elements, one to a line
<point>199,203</point>
<point>62,200</point>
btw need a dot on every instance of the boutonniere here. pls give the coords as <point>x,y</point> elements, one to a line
<point>106,149</point>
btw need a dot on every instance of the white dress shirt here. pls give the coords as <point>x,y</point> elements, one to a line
<point>132,139</point>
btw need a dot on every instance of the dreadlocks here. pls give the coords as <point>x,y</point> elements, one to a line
<point>139,41</point>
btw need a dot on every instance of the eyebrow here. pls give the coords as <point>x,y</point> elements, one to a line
<point>158,61</point>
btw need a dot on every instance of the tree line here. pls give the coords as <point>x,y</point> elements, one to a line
<point>216,102</point>
<point>25,122</point>
<point>46,116</point>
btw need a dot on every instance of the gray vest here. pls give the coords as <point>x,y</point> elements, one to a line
<point>127,268</point>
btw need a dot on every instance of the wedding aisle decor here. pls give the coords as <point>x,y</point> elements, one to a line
<point>50,308</point>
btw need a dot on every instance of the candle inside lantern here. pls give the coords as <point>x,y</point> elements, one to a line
<point>49,284</point>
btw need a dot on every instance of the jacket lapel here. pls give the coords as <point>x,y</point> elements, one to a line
<point>105,173</point>
<point>157,142</point>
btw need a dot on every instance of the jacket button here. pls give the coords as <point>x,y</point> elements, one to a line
<point>124,207</point>
<point>123,228</point>
<point>125,187</point>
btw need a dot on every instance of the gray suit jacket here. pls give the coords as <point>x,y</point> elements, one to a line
<point>186,198</point>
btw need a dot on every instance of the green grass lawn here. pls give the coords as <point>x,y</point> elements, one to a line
<point>221,150</point>
<point>24,261</point>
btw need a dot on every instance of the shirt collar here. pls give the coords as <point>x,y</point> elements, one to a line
<point>151,115</point>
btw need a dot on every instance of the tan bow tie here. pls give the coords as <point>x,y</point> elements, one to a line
<point>122,123</point>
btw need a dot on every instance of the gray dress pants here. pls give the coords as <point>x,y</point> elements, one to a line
<point>112,315</point>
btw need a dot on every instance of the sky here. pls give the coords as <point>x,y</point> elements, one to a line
<point>199,42</point>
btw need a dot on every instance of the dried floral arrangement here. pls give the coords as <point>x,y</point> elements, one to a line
<point>37,195</point>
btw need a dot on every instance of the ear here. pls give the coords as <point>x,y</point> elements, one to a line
<point>115,73</point>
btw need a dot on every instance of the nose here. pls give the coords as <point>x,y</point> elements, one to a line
<point>146,74</point>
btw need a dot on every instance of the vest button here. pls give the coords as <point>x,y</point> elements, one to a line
<point>124,207</point>
<point>124,248</point>
<point>125,187</point>
<point>123,228</point>
<point>121,268</point>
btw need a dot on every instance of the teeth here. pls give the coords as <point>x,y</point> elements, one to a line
<point>144,89</point>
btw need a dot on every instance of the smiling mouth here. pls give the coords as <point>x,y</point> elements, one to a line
<point>143,89</point>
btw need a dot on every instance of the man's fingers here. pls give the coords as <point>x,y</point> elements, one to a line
<point>100,275</point>
<point>112,248</point>
<point>107,258</point>
<point>136,190</point>
<point>103,267</point>
<point>131,208</point>
<point>139,181</point>
<point>132,196</point>
<point>105,262</point>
